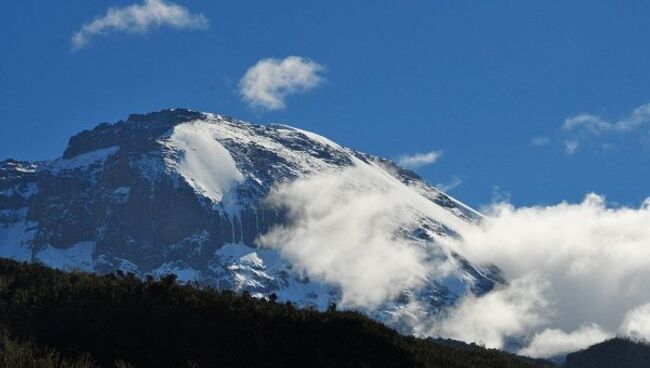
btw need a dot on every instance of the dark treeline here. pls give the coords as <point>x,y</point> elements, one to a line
<point>50,318</point>
<point>617,352</point>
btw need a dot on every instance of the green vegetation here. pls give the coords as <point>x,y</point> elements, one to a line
<point>50,318</point>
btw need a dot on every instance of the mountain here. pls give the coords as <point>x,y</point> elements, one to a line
<point>183,192</point>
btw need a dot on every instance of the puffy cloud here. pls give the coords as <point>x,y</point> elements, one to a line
<point>594,259</point>
<point>637,322</point>
<point>139,18</point>
<point>267,83</point>
<point>419,159</point>
<point>555,342</point>
<point>596,124</point>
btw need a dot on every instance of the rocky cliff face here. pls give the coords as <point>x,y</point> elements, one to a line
<point>183,192</point>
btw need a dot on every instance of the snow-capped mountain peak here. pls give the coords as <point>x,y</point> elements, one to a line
<point>186,192</point>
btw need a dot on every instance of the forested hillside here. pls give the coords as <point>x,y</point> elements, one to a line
<point>55,319</point>
<point>618,352</point>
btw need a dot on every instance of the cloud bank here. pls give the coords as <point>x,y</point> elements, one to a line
<point>577,271</point>
<point>593,258</point>
<point>419,159</point>
<point>139,18</point>
<point>266,84</point>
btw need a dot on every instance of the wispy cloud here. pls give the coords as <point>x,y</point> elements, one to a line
<point>267,83</point>
<point>139,18</point>
<point>499,196</point>
<point>596,124</point>
<point>589,131</point>
<point>571,146</point>
<point>450,185</point>
<point>419,159</point>
<point>540,141</point>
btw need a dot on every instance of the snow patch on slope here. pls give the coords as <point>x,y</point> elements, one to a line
<point>264,271</point>
<point>302,162</point>
<point>318,138</point>
<point>77,257</point>
<point>83,161</point>
<point>202,161</point>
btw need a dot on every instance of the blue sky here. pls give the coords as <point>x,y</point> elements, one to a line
<point>486,85</point>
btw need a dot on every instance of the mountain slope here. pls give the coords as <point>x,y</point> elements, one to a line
<point>184,192</point>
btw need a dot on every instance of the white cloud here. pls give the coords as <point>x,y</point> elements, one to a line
<point>555,342</point>
<point>512,311</point>
<point>419,159</point>
<point>139,18</point>
<point>596,124</point>
<point>594,258</point>
<point>584,131</point>
<point>359,255</point>
<point>591,122</point>
<point>267,83</point>
<point>637,322</point>
<point>571,147</point>
<point>343,227</point>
